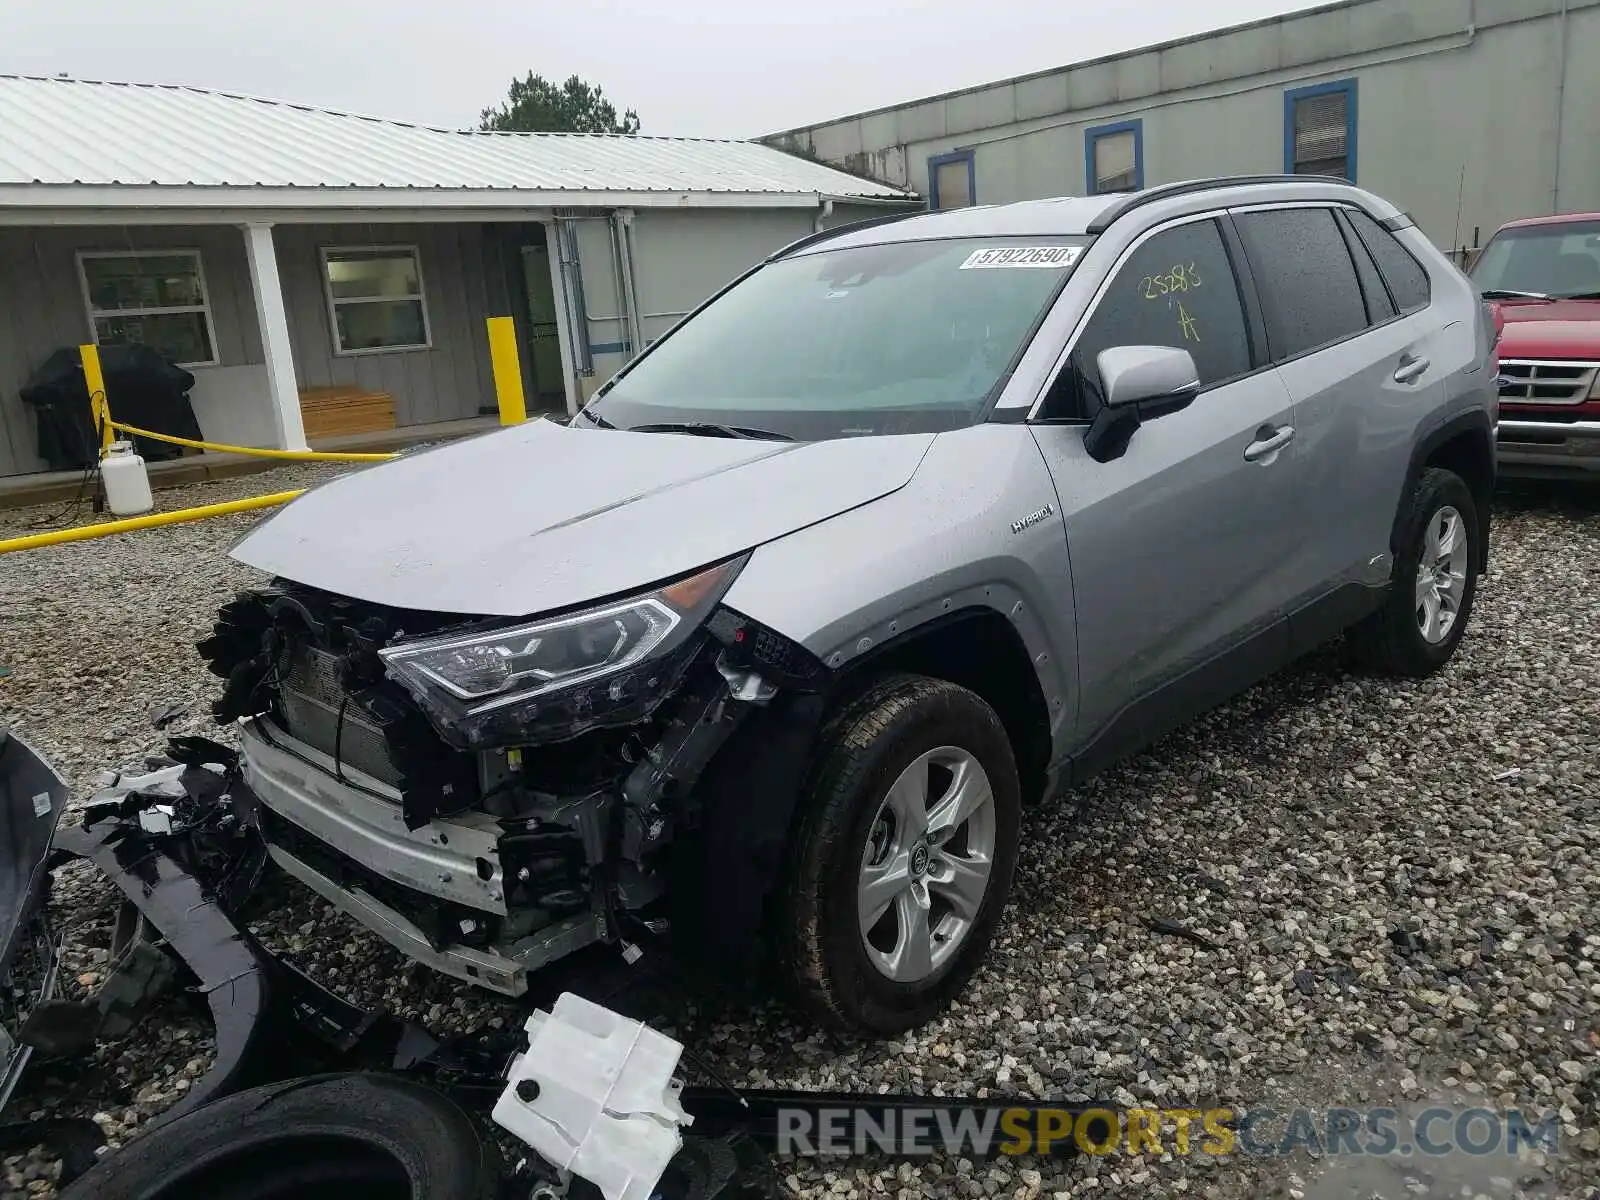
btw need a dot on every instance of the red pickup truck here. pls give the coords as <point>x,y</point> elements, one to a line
<point>1542,276</point>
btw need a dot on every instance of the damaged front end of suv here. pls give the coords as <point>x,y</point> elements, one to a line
<point>491,795</point>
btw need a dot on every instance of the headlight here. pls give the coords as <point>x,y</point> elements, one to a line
<point>500,685</point>
<point>487,670</point>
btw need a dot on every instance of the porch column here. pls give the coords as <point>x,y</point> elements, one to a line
<point>282,389</point>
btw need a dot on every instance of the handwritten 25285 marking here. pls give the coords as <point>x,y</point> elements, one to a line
<point>1180,278</point>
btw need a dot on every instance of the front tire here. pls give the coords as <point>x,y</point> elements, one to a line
<point>1433,585</point>
<point>903,856</point>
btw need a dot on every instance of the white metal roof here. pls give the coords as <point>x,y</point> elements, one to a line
<point>69,141</point>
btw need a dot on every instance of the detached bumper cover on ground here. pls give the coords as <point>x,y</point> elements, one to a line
<point>592,1092</point>
<point>32,797</point>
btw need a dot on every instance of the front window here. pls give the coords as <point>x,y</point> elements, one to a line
<point>1176,289</point>
<point>155,299</point>
<point>900,338</point>
<point>1559,260</point>
<point>375,298</point>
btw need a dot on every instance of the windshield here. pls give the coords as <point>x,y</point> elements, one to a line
<point>1559,260</point>
<point>901,338</point>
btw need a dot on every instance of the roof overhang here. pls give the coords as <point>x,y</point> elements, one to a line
<point>27,204</point>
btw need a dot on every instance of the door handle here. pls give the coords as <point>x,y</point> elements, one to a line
<point>1268,442</point>
<point>1410,369</point>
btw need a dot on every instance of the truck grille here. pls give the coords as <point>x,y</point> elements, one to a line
<point>311,696</point>
<point>1529,381</point>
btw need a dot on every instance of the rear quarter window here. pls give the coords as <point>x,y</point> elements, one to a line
<point>1310,295</point>
<point>1406,277</point>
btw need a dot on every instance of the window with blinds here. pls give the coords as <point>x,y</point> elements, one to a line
<point>1322,134</point>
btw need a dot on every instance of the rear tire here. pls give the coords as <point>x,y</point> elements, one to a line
<point>331,1137</point>
<point>1434,581</point>
<point>906,745</point>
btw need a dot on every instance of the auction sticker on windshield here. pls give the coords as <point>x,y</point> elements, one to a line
<point>1022,256</point>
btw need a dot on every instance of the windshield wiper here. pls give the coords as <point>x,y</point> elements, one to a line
<point>1510,294</point>
<point>596,418</point>
<point>1581,296</point>
<point>712,429</point>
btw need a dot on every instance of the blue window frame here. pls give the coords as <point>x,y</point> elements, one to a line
<point>950,200</point>
<point>1121,174</point>
<point>1319,129</point>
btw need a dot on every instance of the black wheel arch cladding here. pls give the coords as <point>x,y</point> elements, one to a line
<point>1465,446</point>
<point>724,875</point>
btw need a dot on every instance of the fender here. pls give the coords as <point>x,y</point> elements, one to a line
<point>846,586</point>
<point>1477,425</point>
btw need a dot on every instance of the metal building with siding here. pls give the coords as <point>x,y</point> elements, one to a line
<point>275,250</point>
<point>1467,113</point>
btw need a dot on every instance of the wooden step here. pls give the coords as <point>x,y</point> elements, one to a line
<point>333,411</point>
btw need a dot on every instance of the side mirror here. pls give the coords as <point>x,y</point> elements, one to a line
<point>1159,376</point>
<point>1139,383</point>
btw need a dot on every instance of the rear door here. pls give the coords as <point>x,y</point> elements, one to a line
<point>1361,360</point>
<point>1177,547</point>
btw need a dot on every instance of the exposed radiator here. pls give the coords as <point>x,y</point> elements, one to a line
<point>311,697</point>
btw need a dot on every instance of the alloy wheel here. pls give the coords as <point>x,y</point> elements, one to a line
<point>926,866</point>
<point>1441,574</point>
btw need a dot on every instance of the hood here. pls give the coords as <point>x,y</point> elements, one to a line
<point>1559,329</point>
<point>546,516</point>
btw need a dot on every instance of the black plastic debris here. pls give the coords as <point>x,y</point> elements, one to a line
<point>168,715</point>
<point>1174,929</point>
<point>1407,942</point>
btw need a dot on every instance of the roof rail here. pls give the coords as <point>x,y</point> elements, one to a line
<point>822,235</point>
<point>1167,191</point>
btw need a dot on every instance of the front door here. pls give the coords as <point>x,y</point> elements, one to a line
<point>1178,547</point>
<point>544,333</point>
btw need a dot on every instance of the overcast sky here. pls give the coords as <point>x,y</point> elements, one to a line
<point>733,68</point>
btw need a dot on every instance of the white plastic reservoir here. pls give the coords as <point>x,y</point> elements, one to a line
<point>127,482</point>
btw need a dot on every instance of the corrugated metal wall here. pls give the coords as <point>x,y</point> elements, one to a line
<point>467,275</point>
<point>1458,111</point>
<point>470,272</point>
<point>42,307</point>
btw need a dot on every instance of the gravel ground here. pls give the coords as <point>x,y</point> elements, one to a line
<point>1396,884</point>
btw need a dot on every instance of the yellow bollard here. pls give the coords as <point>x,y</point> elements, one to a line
<point>507,370</point>
<point>177,516</point>
<point>99,408</point>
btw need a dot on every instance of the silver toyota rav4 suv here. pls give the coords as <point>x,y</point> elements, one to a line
<point>762,655</point>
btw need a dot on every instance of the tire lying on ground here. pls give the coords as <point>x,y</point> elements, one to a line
<point>329,1137</point>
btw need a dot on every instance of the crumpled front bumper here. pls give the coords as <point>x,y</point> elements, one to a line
<point>341,837</point>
